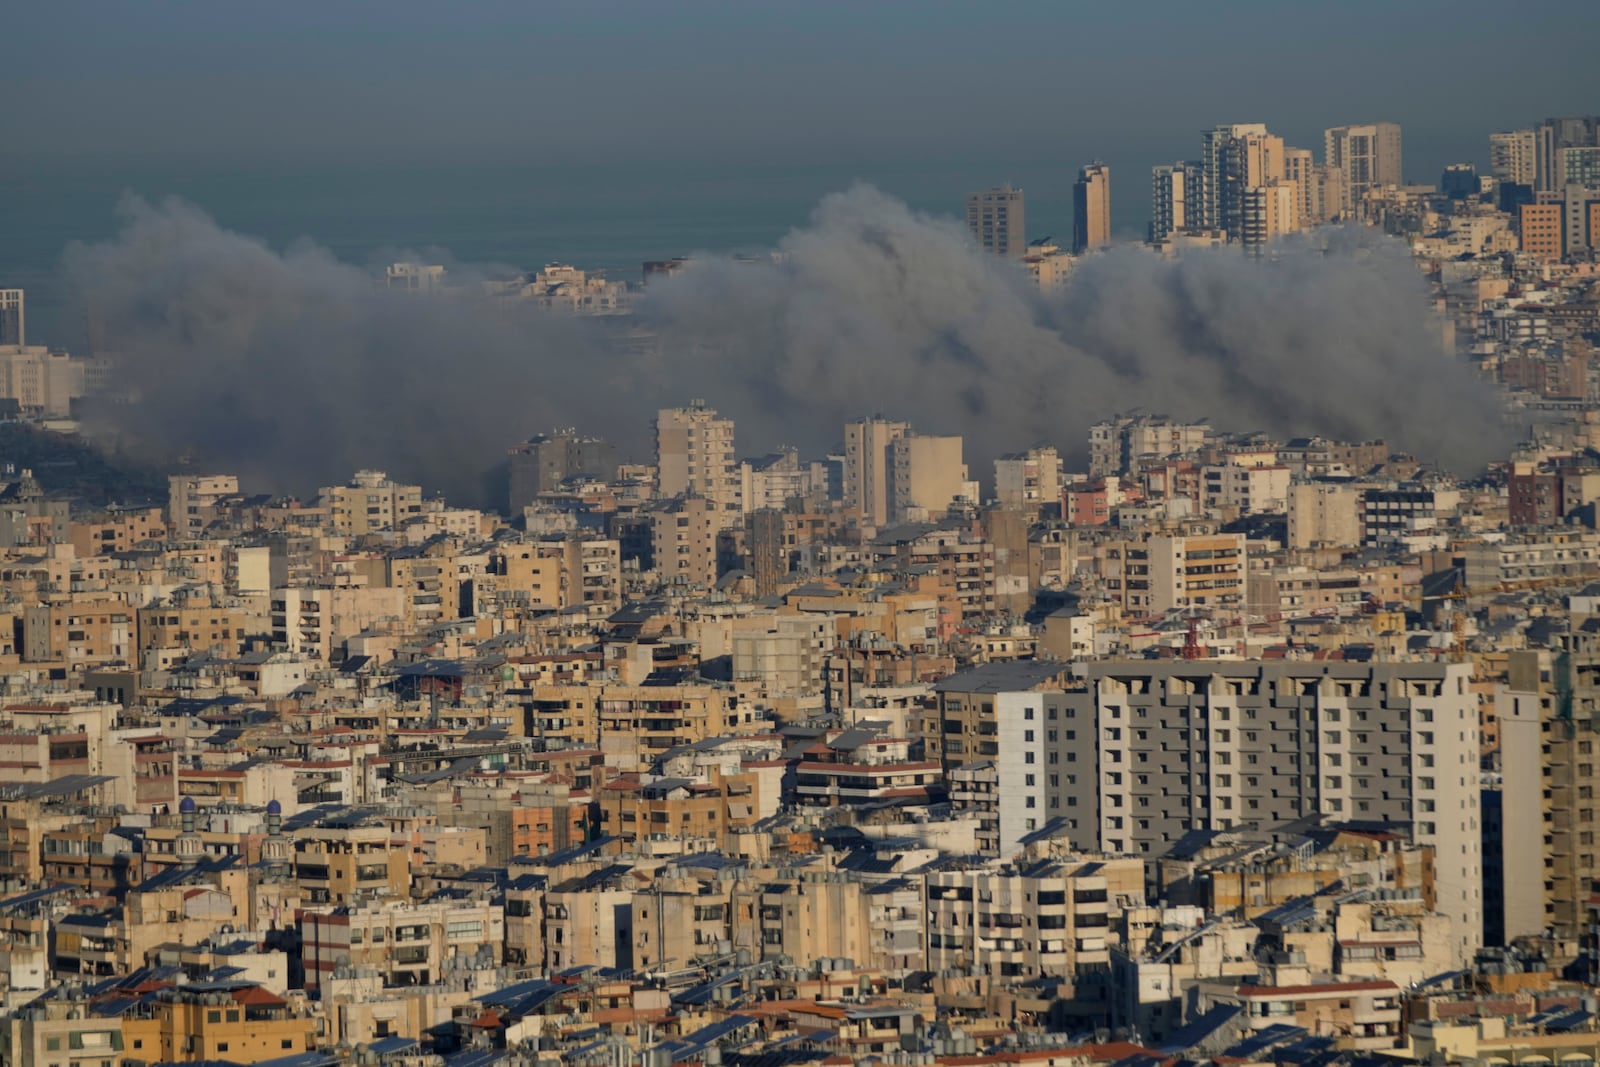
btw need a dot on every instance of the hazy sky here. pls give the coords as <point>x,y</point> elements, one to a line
<point>636,81</point>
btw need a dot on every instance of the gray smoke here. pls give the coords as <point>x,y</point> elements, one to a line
<point>294,369</point>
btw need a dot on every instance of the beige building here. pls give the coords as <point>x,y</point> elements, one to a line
<point>1270,211</point>
<point>997,221</point>
<point>313,620</point>
<point>1368,158</point>
<point>340,864</point>
<point>1052,919</point>
<point>868,472</point>
<point>1214,166</point>
<point>683,536</point>
<point>408,943</point>
<point>1324,513</point>
<point>192,498</point>
<point>1177,199</point>
<point>1318,185</point>
<point>1091,208</point>
<point>927,474</point>
<point>1203,571</point>
<point>42,382</point>
<point>1028,481</point>
<point>79,631</point>
<point>1513,157</point>
<point>370,502</point>
<point>784,654</point>
<point>554,574</point>
<point>694,455</point>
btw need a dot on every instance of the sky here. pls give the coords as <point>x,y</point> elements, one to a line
<point>639,82</point>
<point>606,132</point>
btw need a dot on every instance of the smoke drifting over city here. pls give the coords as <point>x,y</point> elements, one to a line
<point>293,369</point>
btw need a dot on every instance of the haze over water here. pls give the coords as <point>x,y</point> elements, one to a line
<point>608,133</point>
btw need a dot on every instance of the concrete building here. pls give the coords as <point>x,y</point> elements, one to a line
<point>694,455</point>
<point>1513,157</point>
<point>1028,481</point>
<point>1319,186</point>
<point>1324,513</point>
<point>1552,138</point>
<point>1213,148</point>
<point>1408,515</point>
<point>1578,205</point>
<point>1204,571</point>
<point>408,943</point>
<point>191,497</point>
<point>1249,161</point>
<point>1044,918</point>
<point>13,318</point>
<point>1368,157</point>
<point>42,382</point>
<point>1146,752</point>
<point>683,536</point>
<point>996,218</point>
<point>868,469</point>
<point>1091,208</point>
<point>1117,445</point>
<point>370,502</point>
<point>542,463</point>
<point>1541,230</point>
<point>415,277</point>
<point>1269,211</point>
<point>1177,196</point>
<point>926,475</point>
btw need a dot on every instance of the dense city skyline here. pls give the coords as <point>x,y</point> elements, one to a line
<point>805,535</point>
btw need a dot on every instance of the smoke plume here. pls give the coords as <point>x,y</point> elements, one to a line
<point>293,369</point>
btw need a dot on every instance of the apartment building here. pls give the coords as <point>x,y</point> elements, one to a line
<point>1368,157</point>
<point>1196,571</point>
<point>1146,752</point>
<point>683,537</point>
<point>1091,208</point>
<point>1177,195</point>
<point>694,455</point>
<point>1044,918</point>
<point>370,502</point>
<point>409,943</point>
<point>193,498</point>
<point>997,220</point>
<point>1028,481</point>
<point>926,475</point>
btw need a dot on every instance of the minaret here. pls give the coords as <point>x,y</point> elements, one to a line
<point>189,847</point>
<point>275,849</point>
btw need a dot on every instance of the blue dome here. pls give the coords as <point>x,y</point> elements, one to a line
<point>186,805</point>
<point>274,808</point>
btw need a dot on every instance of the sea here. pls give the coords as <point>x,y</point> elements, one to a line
<point>610,218</point>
